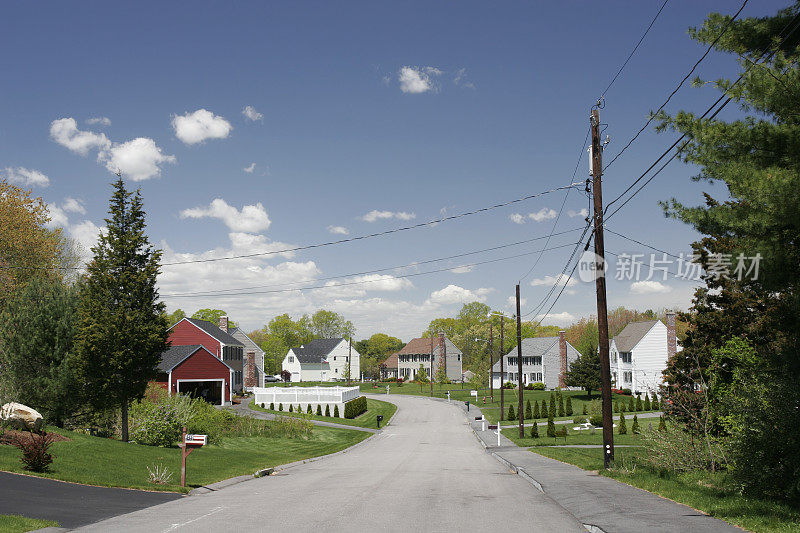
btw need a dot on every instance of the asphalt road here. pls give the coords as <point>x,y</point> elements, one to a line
<point>69,504</point>
<point>424,472</point>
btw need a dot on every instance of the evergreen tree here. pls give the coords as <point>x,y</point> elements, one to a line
<point>552,412</point>
<point>584,411</point>
<point>551,427</point>
<point>569,406</point>
<point>631,404</point>
<point>121,327</point>
<point>561,411</point>
<point>635,428</point>
<point>319,410</point>
<point>272,406</point>
<point>535,431</point>
<point>309,411</point>
<point>544,411</point>
<point>511,413</point>
<point>662,426</point>
<point>622,429</point>
<point>654,403</point>
<point>291,408</point>
<point>646,402</point>
<point>616,406</point>
<point>528,410</point>
<point>336,411</point>
<point>327,410</point>
<point>535,410</point>
<point>584,372</point>
<point>622,407</point>
<point>639,405</point>
<point>280,407</point>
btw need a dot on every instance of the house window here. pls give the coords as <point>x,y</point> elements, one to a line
<point>627,377</point>
<point>291,359</point>
<point>626,357</point>
<point>337,370</point>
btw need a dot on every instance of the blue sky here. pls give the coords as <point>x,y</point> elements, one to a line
<point>404,110</point>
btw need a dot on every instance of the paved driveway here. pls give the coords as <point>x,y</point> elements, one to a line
<point>69,504</point>
<point>424,472</point>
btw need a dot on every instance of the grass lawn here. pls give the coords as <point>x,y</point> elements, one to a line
<point>573,437</point>
<point>705,491</point>
<point>18,524</point>
<point>112,463</point>
<point>364,420</point>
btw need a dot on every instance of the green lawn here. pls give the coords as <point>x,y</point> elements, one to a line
<point>706,491</point>
<point>573,437</point>
<point>19,524</point>
<point>364,420</point>
<point>112,463</point>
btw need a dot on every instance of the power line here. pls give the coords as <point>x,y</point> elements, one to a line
<point>674,91</point>
<point>641,243</point>
<point>634,49</point>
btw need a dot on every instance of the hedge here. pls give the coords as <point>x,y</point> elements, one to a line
<point>355,407</point>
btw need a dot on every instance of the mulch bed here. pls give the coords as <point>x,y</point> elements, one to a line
<point>10,435</point>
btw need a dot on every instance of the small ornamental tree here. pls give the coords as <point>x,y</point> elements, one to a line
<point>535,431</point>
<point>511,413</point>
<point>584,411</point>
<point>319,410</point>
<point>561,410</point>
<point>616,406</point>
<point>528,410</point>
<point>543,412</point>
<point>662,426</point>
<point>535,409</point>
<point>631,405</point>
<point>623,429</point>
<point>272,406</point>
<point>622,407</point>
<point>551,427</point>
<point>327,410</point>
<point>654,404</point>
<point>280,407</point>
<point>336,411</point>
<point>291,408</point>
<point>309,411</point>
<point>639,404</point>
<point>552,412</point>
<point>299,409</point>
<point>635,427</point>
<point>568,410</point>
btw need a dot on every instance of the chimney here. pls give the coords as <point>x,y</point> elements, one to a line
<point>562,357</point>
<point>442,354</point>
<point>250,370</point>
<point>223,323</point>
<point>672,344</point>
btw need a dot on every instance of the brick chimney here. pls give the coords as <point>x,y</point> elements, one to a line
<point>223,323</point>
<point>250,370</point>
<point>672,343</point>
<point>562,357</point>
<point>442,354</point>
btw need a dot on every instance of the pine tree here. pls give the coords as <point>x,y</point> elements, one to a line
<point>511,413</point>
<point>291,408</point>
<point>639,405</point>
<point>551,427</point>
<point>561,411</point>
<point>654,403</point>
<point>528,410</point>
<point>272,406</point>
<point>535,410</point>
<point>569,406</point>
<point>327,410</point>
<point>552,412</point>
<point>662,426</point>
<point>631,405</point>
<point>635,428</point>
<point>622,407</point>
<point>122,326</point>
<point>535,431</point>
<point>616,406</point>
<point>622,429</point>
<point>280,407</point>
<point>646,402</point>
<point>308,410</point>
<point>544,412</point>
<point>336,411</point>
<point>319,410</point>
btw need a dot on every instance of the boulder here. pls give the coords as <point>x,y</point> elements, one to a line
<point>21,416</point>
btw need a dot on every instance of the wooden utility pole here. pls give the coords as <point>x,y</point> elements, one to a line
<point>430,377</point>
<point>491,362</point>
<point>600,281</point>
<point>519,369</point>
<point>502,373</point>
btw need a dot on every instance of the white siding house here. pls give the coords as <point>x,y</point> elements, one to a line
<point>323,360</point>
<point>639,354</point>
<point>544,360</point>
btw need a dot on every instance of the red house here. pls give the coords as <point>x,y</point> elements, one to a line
<point>195,371</point>
<point>215,339</point>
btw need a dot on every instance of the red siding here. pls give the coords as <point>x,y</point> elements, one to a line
<point>202,365</point>
<point>184,333</point>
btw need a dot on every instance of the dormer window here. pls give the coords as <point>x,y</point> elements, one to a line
<point>291,359</point>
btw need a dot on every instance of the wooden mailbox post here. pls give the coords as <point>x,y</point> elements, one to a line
<point>189,443</point>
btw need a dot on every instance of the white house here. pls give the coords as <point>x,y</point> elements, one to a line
<point>639,354</point>
<point>544,360</point>
<point>323,360</point>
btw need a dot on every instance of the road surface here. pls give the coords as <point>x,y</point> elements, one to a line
<point>425,472</point>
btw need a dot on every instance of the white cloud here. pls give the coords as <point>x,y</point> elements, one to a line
<point>549,281</point>
<point>649,287</point>
<point>250,168</point>
<point>460,79</point>
<point>251,114</point>
<point>137,159</point>
<point>74,206</point>
<point>516,218</point>
<point>338,230</point>
<point>453,294</point>
<point>359,286</point>
<point>557,319</point>
<point>65,132</point>
<point>58,218</point>
<point>251,218</point>
<point>582,213</point>
<point>512,302</point>
<point>463,269</point>
<point>417,80</point>
<point>86,234</point>
<point>26,177</point>
<point>374,215</point>
<point>544,213</point>
<point>193,128</point>
<point>99,121</point>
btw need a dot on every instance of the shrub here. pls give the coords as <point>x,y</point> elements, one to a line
<point>263,405</point>
<point>535,410</point>
<point>299,409</point>
<point>596,420</point>
<point>674,450</point>
<point>551,428</point>
<point>319,410</point>
<point>562,432</point>
<point>578,420</point>
<point>552,412</point>
<point>509,385</point>
<point>569,406</point>
<point>272,406</point>
<point>291,408</point>
<point>626,392</point>
<point>336,411</point>
<point>616,406</point>
<point>280,407</point>
<point>529,386</point>
<point>535,431</point>
<point>622,428</point>
<point>639,404</point>
<point>631,405</point>
<point>35,448</point>
<point>561,410</point>
<point>538,386</point>
<point>622,407</point>
<point>544,409</point>
<point>646,403</point>
<point>662,426</point>
<point>584,411</point>
<point>355,407</point>
<point>528,410</point>
<point>654,403</point>
<point>308,410</point>
<point>635,427</point>
<point>154,424</point>
<point>327,410</point>
<point>511,414</point>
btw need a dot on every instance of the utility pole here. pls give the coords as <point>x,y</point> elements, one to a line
<point>491,362</point>
<point>600,281</point>
<point>430,376</point>
<point>502,374</point>
<point>519,368</point>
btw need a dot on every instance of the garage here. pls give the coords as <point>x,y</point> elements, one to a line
<point>208,390</point>
<point>196,372</point>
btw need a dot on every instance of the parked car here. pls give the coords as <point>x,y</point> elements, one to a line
<point>271,379</point>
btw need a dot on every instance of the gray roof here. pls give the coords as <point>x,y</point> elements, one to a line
<point>317,350</point>
<point>222,336</point>
<point>538,346</point>
<point>176,355</point>
<point>632,334</point>
<point>249,343</point>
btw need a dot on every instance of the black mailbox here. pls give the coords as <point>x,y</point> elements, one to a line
<point>380,419</point>
<point>467,405</point>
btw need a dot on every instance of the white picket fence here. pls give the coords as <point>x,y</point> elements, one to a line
<point>305,396</point>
